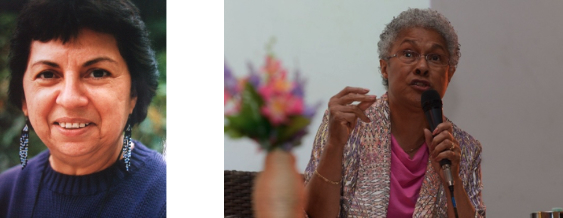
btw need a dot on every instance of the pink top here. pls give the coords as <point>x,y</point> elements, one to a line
<point>406,179</point>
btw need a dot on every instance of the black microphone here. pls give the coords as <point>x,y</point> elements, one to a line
<point>432,106</point>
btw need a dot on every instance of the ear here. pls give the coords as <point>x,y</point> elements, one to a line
<point>24,107</point>
<point>383,67</point>
<point>132,104</point>
<point>451,72</point>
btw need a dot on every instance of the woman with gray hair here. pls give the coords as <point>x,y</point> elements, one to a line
<point>388,163</point>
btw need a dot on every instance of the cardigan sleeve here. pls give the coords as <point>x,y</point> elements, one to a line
<point>474,183</point>
<point>318,147</point>
<point>470,170</point>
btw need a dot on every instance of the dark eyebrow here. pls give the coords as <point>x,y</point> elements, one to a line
<point>88,63</point>
<point>96,60</point>
<point>49,63</point>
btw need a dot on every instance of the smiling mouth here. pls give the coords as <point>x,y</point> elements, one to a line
<point>73,125</point>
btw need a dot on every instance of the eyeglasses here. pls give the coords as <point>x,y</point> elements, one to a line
<point>411,57</point>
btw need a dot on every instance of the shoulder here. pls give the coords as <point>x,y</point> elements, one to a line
<point>15,182</point>
<point>379,111</point>
<point>151,167</point>
<point>152,163</point>
<point>7,182</point>
<point>145,185</point>
<point>466,140</point>
<point>8,178</point>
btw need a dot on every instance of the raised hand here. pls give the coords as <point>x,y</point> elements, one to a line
<point>344,115</point>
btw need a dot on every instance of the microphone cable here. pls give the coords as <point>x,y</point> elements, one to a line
<point>451,187</point>
<point>448,174</point>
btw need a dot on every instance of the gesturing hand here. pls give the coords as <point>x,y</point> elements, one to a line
<point>344,115</point>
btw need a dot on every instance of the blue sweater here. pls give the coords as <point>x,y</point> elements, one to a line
<point>141,192</point>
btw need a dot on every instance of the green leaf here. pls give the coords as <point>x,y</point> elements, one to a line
<point>249,121</point>
<point>297,123</point>
<point>233,133</point>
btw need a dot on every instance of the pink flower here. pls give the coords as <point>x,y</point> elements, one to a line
<point>227,96</point>
<point>274,88</point>
<point>279,108</point>
<point>272,65</point>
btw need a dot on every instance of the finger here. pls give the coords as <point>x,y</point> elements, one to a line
<point>355,97</point>
<point>441,136</point>
<point>355,110</point>
<point>428,139</point>
<point>444,126</point>
<point>450,155</point>
<point>365,104</point>
<point>349,118</point>
<point>445,145</point>
<point>352,109</point>
<point>349,89</point>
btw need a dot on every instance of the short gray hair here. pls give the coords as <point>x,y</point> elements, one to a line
<point>425,18</point>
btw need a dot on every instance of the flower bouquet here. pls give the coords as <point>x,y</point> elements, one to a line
<point>267,107</point>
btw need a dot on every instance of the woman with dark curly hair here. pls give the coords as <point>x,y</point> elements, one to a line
<point>378,158</point>
<point>83,73</point>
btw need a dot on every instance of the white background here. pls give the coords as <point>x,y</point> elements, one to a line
<point>506,92</point>
<point>332,43</point>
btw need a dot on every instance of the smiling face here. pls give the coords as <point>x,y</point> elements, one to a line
<point>78,94</point>
<point>407,81</point>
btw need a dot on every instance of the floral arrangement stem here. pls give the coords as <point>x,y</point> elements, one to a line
<point>279,188</point>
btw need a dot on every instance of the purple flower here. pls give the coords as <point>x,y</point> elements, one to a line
<point>299,84</point>
<point>230,81</point>
<point>253,78</point>
<point>309,111</point>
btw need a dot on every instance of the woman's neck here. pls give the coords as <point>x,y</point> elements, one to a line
<point>407,124</point>
<point>86,164</point>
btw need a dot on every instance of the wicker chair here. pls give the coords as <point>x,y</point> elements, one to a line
<point>238,193</point>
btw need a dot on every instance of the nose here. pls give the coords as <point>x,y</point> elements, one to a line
<point>422,66</point>
<point>72,94</point>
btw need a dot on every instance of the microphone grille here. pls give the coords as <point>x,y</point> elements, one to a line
<point>430,99</point>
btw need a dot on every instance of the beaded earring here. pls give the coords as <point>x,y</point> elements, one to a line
<point>24,143</point>
<point>127,144</point>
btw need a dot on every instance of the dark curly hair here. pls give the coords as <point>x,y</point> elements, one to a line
<point>47,20</point>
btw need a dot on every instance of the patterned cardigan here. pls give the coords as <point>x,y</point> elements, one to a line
<point>367,162</point>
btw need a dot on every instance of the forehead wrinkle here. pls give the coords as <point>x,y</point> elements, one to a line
<point>410,41</point>
<point>438,46</point>
<point>415,42</point>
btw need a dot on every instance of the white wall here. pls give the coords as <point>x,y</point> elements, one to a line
<point>507,93</point>
<point>332,43</point>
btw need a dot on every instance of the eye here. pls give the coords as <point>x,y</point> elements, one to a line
<point>409,54</point>
<point>46,75</point>
<point>434,57</point>
<point>99,73</point>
